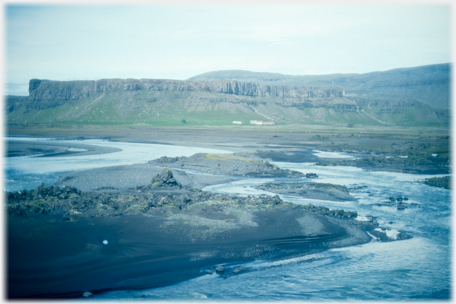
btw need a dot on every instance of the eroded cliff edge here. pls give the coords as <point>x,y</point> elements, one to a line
<point>43,90</point>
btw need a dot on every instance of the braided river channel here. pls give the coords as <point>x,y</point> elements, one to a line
<point>416,269</point>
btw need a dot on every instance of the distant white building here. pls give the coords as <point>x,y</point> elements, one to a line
<point>259,122</point>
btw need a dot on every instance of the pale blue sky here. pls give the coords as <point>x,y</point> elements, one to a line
<point>178,41</point>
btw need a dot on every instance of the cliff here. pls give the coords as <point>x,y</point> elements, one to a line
<point>430,84</point>
<point>159,102</point>
<point>46,90</point>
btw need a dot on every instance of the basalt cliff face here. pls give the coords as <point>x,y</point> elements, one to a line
<point>430,84</point>
<point>46,90</point>
<point>159,102</point>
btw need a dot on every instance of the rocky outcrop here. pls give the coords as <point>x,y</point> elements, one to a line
<point>164,179</point>
<point>72,203</point>
<point>431,83</point>
<point>340,214</point>
<point>442,182</point>
<point>46,90</point>
<point>400,202</point>
<point>226,164</point>
<point>321,191</point>
<point>264,90</point>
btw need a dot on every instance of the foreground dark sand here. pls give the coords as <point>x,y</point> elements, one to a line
<point>51,258</point>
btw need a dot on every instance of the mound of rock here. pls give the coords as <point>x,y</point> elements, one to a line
<point>164,179</point>
<point>226,164</point>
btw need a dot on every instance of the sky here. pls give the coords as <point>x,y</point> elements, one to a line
<point>181,40</point>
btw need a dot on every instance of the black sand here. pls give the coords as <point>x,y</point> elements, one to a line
<point>51,258</point>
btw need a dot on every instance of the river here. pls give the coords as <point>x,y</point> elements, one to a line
<point>415,269</point>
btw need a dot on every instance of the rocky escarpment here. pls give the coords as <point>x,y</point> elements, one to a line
<point>46,90</point>
<point>218,102</point>
<point>430,84</point>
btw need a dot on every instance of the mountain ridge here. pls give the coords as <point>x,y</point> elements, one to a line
<point>161,102</point>
<point>429,83</point>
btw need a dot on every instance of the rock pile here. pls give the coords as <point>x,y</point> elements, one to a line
<point>164,180</point>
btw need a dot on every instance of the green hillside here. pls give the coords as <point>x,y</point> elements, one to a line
<point>190,108</point>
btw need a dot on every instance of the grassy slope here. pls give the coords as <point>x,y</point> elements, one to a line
<point>207,108</point>
<point>409,116</point>
<point>154,108</point>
